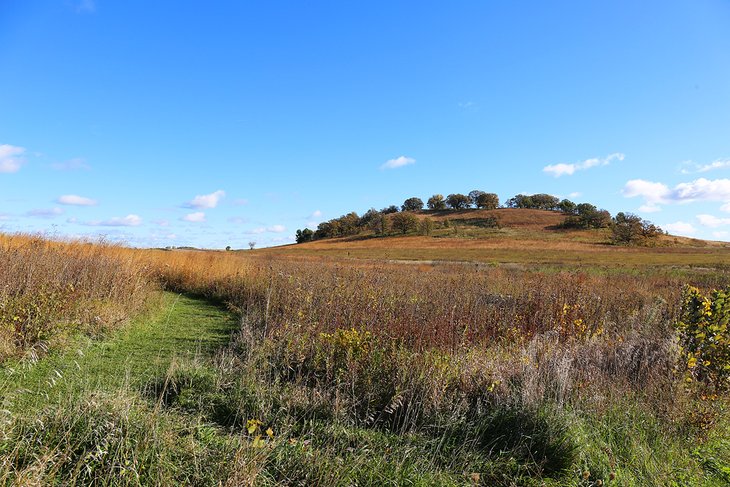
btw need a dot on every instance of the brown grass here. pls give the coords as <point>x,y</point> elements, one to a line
<point>50,289</point>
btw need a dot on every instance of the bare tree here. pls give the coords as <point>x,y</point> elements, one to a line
<point>251,245</point>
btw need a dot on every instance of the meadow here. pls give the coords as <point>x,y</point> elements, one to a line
<point>361,371</point>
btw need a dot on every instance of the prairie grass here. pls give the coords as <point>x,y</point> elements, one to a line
<point>362,372</point>
<point>51,289</point>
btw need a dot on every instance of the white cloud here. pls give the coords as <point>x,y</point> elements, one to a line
<point>563,169</point>
<point>75,200</point>
<point>277,228</point>
<point>712,221</point>
<point>206,200</point>
<point>196,217</point>
<point>240,202</point>
<point>45,212</point>
<point>398,162</point>
<point>315,214</point>
<point>703,189</point>
<point>124,221</point>
<point>11,158</point>
<point>653,193</point>
<point>162,223</point>
<point>575,194</point>
<point>700,189</point>
<point>717,164</point>
<point>71,165</point>
<point>680,228</point>
<point>722,234</point>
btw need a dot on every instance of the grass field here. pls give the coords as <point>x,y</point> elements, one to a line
<point>370,362</point>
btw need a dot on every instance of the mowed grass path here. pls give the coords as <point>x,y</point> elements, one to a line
<point>183,329</point>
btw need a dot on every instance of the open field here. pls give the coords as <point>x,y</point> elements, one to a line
<point>366,371</point>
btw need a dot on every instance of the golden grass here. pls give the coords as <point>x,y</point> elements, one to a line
<point>49,289</point>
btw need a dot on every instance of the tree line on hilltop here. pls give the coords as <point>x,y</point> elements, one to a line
<point>626,228</point>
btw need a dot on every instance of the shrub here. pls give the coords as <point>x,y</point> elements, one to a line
<point>704,336</point>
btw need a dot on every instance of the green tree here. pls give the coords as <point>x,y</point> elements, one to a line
<point>436,202</point>
<point>628,228</point>
<point>389,209</point>
<point>588,216</point>
<point>474,196</point>
<point>412,204</point>
<point>457,201</point>
<point>487,201</point>
<point>305,235</point>
<point>567,206</point>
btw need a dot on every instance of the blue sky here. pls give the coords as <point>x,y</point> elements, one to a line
<point>222,122</point>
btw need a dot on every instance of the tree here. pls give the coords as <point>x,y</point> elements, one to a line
<point>404,222</point>
<point>436,202</point>
<point>628,228</point>
<point>588,216</point>
<point>305,235</point>
<point>379,224</point>
<point>540,201</point>
<point>368,217</point>
<point>474,196</point>
<point>412,204</point>
<point>567,206</point>
<point>426,226</point>
<point>519,201</point>
<point>251,245</point>
<point>487,201</point>
<point>389,209</point>
<point>457,201</point>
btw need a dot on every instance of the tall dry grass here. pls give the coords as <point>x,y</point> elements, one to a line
<point>49,289</point>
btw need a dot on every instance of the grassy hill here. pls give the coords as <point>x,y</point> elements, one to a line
<point>523,236</point>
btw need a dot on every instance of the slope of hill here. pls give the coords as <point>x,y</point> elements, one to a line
<point>523,236</point>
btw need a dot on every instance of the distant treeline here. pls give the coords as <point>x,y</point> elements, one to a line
<point>627,228</point>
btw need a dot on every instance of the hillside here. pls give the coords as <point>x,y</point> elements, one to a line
<point>523,236</point>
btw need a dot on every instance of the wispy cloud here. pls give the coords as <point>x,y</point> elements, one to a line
<point>712,221</point>
<point>75,200</point>
<point>700,189</point>
<point>699,168</point>
<point>206,201</point>
<point>11,158</point>
<point>271,229</point>
<point>240,202</point>
<point>196,217</point>
<point>680,228</point>
<point>85,6</point>
<point>398,162</point>
<point>563,169</point>
<point>75,164</point>
<point>123,221</point>
<point>45,212</point>
<point>238,220</point>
